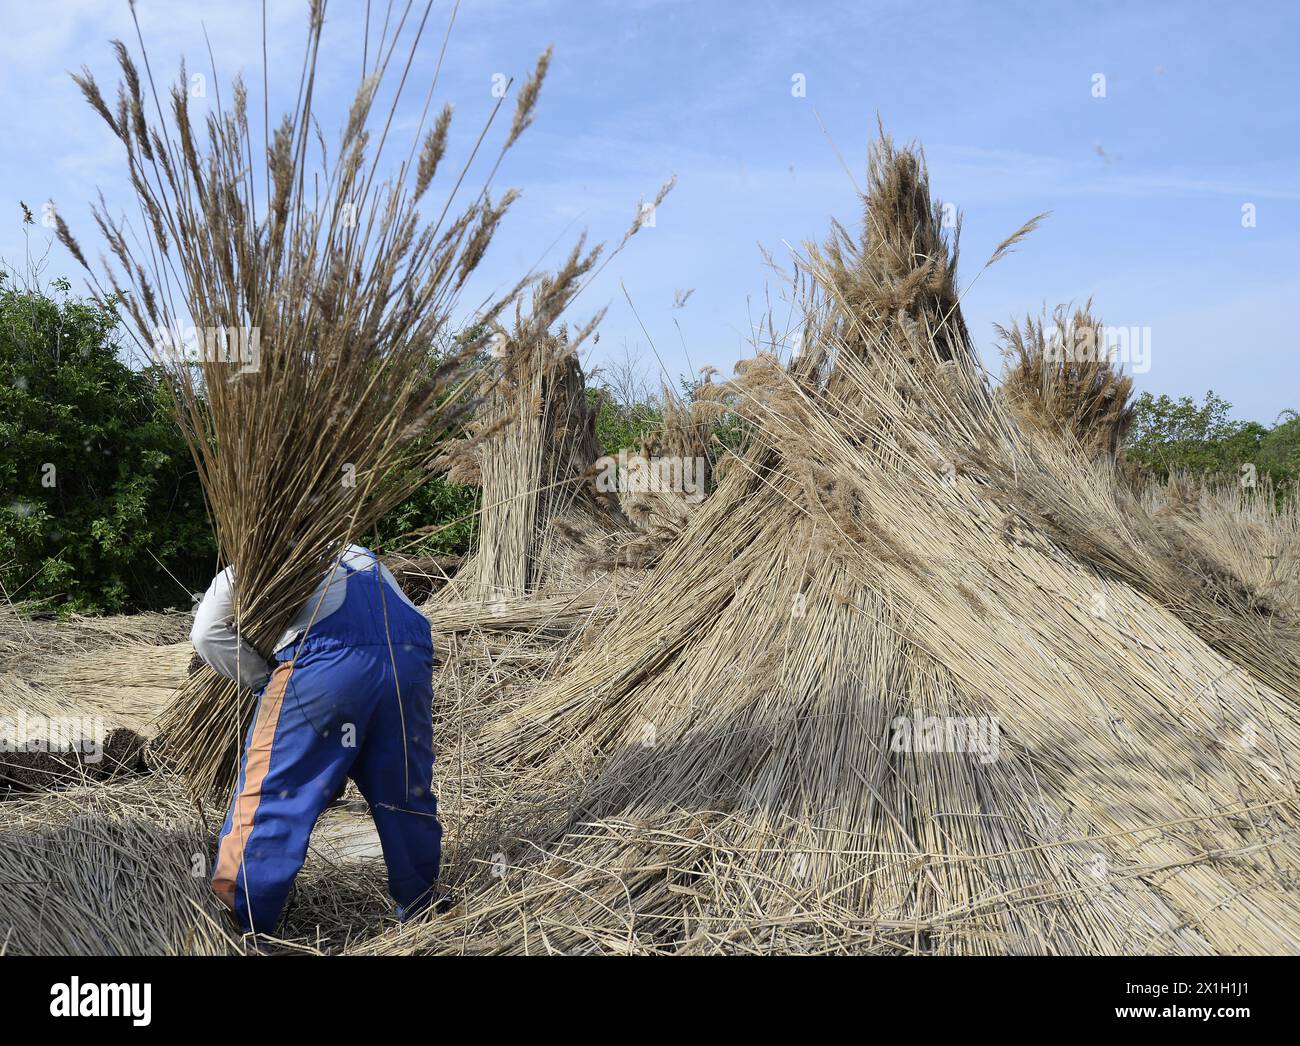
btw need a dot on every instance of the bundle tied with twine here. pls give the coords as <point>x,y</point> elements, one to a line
<point>329,403</point>
<point>532,445</point>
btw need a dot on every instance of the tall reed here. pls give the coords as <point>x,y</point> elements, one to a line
<point>322,295</point>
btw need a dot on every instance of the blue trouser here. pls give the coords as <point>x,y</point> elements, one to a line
<point>336,710</point>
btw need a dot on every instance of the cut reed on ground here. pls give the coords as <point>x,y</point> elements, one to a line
<point>114,869</point>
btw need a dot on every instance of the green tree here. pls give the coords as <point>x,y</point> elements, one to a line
<point>98,488</point>
<point>1279,449</point>
<point>437,503</point>
<point>1181,435</point>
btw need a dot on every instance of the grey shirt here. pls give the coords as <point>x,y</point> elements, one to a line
<point>213,633</point>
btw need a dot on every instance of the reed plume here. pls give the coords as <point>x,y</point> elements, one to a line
<point>323,375</point>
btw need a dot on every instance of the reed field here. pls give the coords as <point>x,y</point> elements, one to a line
<point>921,666</point>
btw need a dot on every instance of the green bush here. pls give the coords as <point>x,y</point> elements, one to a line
<point>1181,435</point>
<point>436,503</point>
<point>620,426</point>
<point>98,485</point>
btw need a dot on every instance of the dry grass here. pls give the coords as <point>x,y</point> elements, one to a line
<point>700,758</point>
<point>1057,376</point>
<point>350,288</point>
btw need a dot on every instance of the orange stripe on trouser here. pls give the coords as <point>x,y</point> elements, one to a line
<point>230,855</point>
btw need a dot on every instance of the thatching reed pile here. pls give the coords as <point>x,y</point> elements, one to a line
<point>346,288</point>
<point>531,447</point>
<point>93,686</point>
<point>1251,533</point>
<point>117,869</point>
<point>731,734</point>
<point>133,681</point>
<point>1060,376</point>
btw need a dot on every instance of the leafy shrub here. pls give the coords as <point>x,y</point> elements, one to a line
<point>621,426</point>
<point>1181,435</point>
<point>435,504</point>
<point>97,488</point>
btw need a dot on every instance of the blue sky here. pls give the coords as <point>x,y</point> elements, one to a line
<point>1146,185</point>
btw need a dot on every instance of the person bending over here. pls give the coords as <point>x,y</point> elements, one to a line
<point>348,694</point>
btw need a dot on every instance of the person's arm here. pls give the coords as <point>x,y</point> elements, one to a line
<point>216,642</point>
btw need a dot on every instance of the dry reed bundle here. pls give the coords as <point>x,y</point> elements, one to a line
<point>531,467</point>
<point>1252,533</point>
<point>119,868</point>
<point>532,445</point>
<point>730,734</point>
<point>898,277</point>
<point>1059,377</point>
<point>28,646</point>
<point>683,444</point>
<point>1086,509</point>
<point>52,738</point>
<point>536,615</point>
<point>110,870</point>
<point>535,584</point>
<point>349,293</point>
<point>132,682</point>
